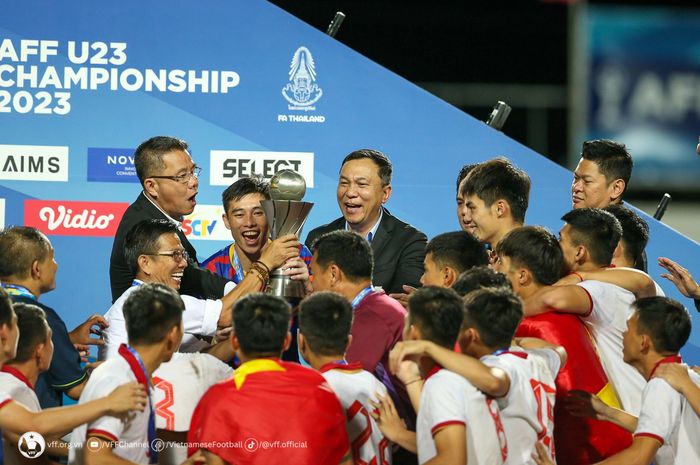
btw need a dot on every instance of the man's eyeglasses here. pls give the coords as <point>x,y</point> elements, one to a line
<point>178,255</point>
<point>182,178</point>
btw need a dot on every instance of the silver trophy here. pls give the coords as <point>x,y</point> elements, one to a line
<point>286,214</point>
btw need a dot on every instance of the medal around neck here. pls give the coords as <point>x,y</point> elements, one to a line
<point>286,214</point>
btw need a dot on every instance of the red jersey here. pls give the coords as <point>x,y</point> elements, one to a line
<point>577,440</point>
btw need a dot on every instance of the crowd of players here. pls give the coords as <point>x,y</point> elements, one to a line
<point>498,343</point>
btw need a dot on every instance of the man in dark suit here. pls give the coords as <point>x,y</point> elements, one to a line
<point>169,179</point>
<point>364,187</point>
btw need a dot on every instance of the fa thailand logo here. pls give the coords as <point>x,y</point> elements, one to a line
<point>302,92</point>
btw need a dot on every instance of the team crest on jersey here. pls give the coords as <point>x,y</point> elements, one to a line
<point>301,91</point>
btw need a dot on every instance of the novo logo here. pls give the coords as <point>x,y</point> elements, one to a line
<point>33,163</point>
<point>67,218</point>
<point>227,166</point>
<point>111,165</point>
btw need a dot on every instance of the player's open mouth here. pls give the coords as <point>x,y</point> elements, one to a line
<point>177,277</point>
<point>251,237</point>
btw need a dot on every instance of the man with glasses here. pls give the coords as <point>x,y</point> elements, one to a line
<point>170,183</point>
<point>155,254</point>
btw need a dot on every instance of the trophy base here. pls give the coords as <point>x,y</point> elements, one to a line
<point>282,286</point>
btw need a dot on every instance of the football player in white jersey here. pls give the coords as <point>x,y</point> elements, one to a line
<point>17,418</point>
<point>177,387</point>
<point>588,241</point>
<point>456,423</point>
<point>153,314</point>
<point>325,319</point>
<point>523,382</point>
<point>667,430</point>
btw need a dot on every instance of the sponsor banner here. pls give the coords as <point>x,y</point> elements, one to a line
<point>2,213</point>
<point>205,223</point>
<point>228,166</point>
<point>69,218</point>
<point>33,163</point>
<point>111,165</point>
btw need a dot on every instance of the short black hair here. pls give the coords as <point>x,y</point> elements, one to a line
<point>243,187</point>
<point>500,179</point>
<point>597,230</point>
<point>635,233</point>
<point>142,239</point>
<point>382,161</point>
<point>6,311</point>
<point>613,159</point>
<point>150,312</point>
<point>348,250</point>
<point>20,246</point>
<point>537,250</point>
<point>495,313</point>
<point>261,323</point>
<point>665,320</point>
<point>325,319</point>
<point>148,158</point>
<point>480,277</point>
<point>33,330</point>
<point>437,312</point>
<point>457,249</point>
<point>463,172</point>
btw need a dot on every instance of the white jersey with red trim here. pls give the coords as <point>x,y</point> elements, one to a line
<point>130,432</point>
<point>178,385</point>
<point>611,306</point>
<point>19,391</point>
<point>355,387</point>
<point>668,417</point>
<point>527,410</point>
<point>449,399</point>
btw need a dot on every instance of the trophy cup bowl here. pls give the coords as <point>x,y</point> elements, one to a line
<point>286,214</point>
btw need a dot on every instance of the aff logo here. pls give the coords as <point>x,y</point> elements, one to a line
<point>33,163</point>
<point>205,223</point>
<point>228,166</point>
<point>302,91</point>
<point>68,218</point>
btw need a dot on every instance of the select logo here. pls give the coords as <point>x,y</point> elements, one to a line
<point>68,218</point>
<point>33,163</point>
<point>111,165</point>
<point>228,166</point>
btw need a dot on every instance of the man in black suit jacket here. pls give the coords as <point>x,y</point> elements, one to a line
<point>399,248</point>
<point>169,179</point>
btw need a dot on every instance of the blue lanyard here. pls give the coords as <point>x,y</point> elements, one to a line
<point>236,262</point>
<point>18,291</point>
<point>363,293</point>
<point>153,458</point>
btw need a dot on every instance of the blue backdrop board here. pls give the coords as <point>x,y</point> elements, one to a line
<point>643,85</point>
<point>252,89</point>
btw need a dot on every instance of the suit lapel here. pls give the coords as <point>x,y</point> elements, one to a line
<point>381,238</point>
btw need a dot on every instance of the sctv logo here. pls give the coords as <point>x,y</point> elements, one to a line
<point>199,228</point>
<point>205,223</point>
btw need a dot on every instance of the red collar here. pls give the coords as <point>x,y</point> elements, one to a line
<point>517,353</point>
<point>437,367</point>
<point>17,374</point>
<point>340,366</point>
<point>135,365</point>
<point>671,359</point>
